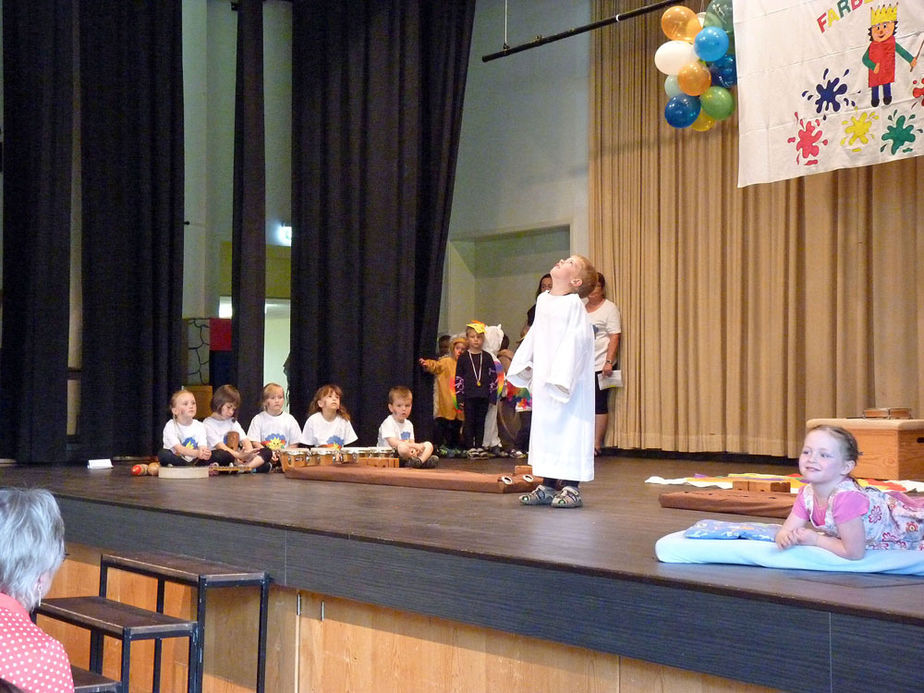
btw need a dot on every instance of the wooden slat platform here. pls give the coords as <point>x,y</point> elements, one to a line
<point>479,554</point>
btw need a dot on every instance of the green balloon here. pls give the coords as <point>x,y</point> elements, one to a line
<point>720,13</point>
<point>718,102</point>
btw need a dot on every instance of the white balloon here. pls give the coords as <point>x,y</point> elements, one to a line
<point>702,18</point>
<point>673,55</point>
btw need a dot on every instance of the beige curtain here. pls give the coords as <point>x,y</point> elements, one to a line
<point>745,311</point>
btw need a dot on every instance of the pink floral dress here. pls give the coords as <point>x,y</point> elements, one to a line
<point>892,521</point>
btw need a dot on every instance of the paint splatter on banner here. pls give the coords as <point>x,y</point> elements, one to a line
<point>827,84</point>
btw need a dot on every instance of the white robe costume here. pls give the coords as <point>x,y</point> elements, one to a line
<point>556,362</point>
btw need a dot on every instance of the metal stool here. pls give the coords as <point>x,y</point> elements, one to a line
<point>126,623</point>
<point>202,575</point>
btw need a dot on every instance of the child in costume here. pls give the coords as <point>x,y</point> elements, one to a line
<point>448,415</point>
<point>328,423</point>
<point>185,438</point>
<point>226,437</point>
<point>493,338</point>
<point>476,389</point>
<point>397,432</point>
<point>274,428</point>
<point>556,361</point>
<point>833,512</point>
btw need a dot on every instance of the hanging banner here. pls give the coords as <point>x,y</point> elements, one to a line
<point>827,84</point>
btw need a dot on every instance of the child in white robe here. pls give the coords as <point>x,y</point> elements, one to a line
<point>556,362</point>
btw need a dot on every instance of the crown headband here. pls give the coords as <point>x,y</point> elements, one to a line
<point>886,13</point>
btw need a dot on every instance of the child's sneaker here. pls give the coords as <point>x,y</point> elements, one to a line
<point>568,497</point>
<point>517,454</point>
<point>541,495</point>
<point>475,453</point>
<point>431,462</point>
<point>414,463</point>
<point>497,451</point>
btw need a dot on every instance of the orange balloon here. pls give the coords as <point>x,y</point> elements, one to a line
<point>680,23</point>
<point>703,122</point>
<point>694,78</point>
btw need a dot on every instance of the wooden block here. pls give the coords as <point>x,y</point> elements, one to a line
<point>768,486</point>
<point>889,448</point>
<point>741,484</point>
<point>887,413</point>
<point>521,469</point>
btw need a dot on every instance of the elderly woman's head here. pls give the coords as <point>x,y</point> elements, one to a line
<point>31,543</point>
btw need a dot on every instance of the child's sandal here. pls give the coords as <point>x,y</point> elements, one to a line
<point>568,497</point>
<point>541,495</point>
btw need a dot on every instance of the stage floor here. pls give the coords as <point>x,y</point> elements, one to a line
<point>374,543</point>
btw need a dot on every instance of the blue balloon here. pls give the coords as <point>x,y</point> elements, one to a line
<point>724,72</point>
<point>671,88</point>
<point>711,43</point>
<point>682,111</point>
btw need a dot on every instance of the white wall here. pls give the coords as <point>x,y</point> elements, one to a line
<point>209,66</point>
<point>195,128</point>
<point>523,152</point>
<point>522,168</point>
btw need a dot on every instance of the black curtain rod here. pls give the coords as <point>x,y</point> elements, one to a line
<point>542,40</point>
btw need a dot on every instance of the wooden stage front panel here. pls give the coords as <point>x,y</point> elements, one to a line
<point>483,560</point>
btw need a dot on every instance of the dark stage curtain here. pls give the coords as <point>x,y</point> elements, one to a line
<point>132,164</point>
<point>38,116</point>
<point>377,104</point>
<point>248,254</point>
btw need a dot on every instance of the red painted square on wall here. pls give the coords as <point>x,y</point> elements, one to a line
<point>219,334</point>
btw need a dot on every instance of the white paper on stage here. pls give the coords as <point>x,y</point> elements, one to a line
<point>806,93</point>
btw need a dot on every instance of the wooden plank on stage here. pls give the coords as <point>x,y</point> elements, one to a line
<point>434,479</point>
<point>757,503</point>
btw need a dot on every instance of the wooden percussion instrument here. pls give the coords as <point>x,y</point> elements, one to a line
<point>372,457</point>
<point>326,456</point>
<point>296,457</point>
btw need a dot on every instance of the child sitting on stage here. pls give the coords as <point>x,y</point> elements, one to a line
<point>328,423</point>
<point>274,428</point>
<point>833,512</point>
<point>226,438</point>
<point>556,361</point>
<point>398,432</point>
<point>185,438</point>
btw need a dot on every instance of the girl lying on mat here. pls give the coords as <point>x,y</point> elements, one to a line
<point>835,513</point>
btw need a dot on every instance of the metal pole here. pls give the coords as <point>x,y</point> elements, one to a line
<point>542,40</point>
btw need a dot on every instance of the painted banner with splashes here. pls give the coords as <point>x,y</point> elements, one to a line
<point>827,84</point>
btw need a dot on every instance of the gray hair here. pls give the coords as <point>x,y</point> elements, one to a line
<point>31,543</point>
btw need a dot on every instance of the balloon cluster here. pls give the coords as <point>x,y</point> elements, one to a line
<point>699,62</point>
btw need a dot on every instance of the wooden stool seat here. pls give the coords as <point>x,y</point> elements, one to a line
<point>91,682</point>
<point>125,622</point>
<point>201,574</point>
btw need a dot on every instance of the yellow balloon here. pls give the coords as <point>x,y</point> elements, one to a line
<point>680,23</point>
<point>703,122</point>
<point>694,78</point>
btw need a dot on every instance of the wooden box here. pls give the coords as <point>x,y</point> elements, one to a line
<point>889,448</point>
